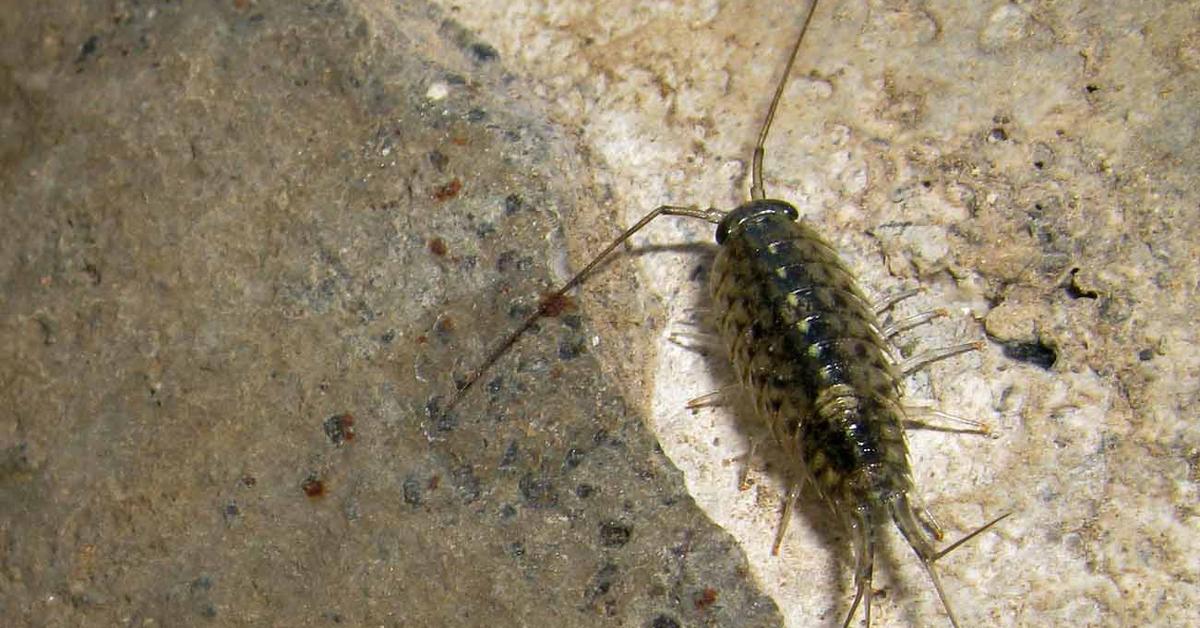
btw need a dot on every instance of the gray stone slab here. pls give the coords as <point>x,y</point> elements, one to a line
<point>247,247</point>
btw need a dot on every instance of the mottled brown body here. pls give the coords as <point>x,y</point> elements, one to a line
<point>807,345</point>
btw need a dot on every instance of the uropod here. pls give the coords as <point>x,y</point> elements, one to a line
<point>811,352</point>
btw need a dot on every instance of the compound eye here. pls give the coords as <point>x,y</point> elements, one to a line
<point>722,232</point>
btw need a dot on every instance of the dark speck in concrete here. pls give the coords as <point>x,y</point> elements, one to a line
<point>511,454</point>
<point>413,491</point>
<point>614,535</point>
<point>505,261</point>
<point>572,348</point>
<point>87,49</point>
<point>513,204</point>
<point>664,621</point>
<point>339,428</point>
<point>538,492</point>
<point>1036,353</point>
<point>574,321</point>
<point>484,52</point>
<point>446,422</point>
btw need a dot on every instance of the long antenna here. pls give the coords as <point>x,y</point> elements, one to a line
<point>547,303</point>
<point>756,185</point>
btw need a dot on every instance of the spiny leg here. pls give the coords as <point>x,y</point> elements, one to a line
<point>744,473</point>
<point>547,303</point>
<point>886,303</point>
<point>968,426</point>
<point>890,330</point>
<point>864,568</point>
<point>910,524</point>
<point>696,341</point>
<point>712,399</point>
<point>970,535</point>
<point>925,358</point>
<point>933,575</point>
<point>793,493</point>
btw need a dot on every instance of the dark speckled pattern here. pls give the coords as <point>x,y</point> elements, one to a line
<point>805,342</point>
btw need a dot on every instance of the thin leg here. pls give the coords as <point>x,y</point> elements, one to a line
<point>747,461</point>
<point>887,302</point>
<point>910,522</point>
<point>969,426</point>
<point>967,537</point>
<point>793,492</point>
<point>713,399</point>
<point>933,575</point>
<point>916,362</point>
<point>864,567</point>
<point>696,313</point>
<point>697,341</point>
<point>912,321</point>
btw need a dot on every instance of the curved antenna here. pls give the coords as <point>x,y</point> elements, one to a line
<point>756,185</point>
<point>546,306</point>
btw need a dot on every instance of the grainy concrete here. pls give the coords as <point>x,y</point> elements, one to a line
<point>246,248</point>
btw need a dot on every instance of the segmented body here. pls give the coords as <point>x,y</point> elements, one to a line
<point>807,345</point>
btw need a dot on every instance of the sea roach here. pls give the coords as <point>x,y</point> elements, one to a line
<point>810,349</point>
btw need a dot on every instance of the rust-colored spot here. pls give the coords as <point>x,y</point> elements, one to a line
<point>249,480</point>
<point>444,325</point>
<point>448,191</point>
<point>553,304</point>
<point>422,339</point>
<point>434,482</point>
<point>313,487</point>
<point>459,140</point>
<point>438,247</point>
<point>706,598</point>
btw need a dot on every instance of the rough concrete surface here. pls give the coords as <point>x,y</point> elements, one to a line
<point>1031,165</point>
<point>247,249</point>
